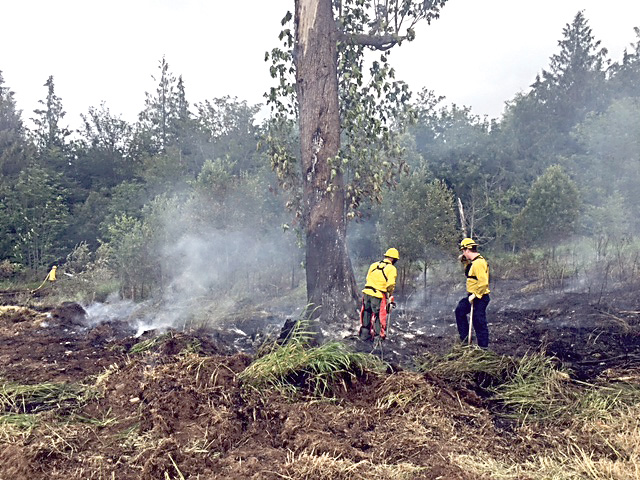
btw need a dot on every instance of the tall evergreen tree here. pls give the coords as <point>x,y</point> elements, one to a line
<point>12,159</point>
<point>625,76</point>
<point>163,111</point>
<point>574,85</point>
<point>185,136</point>
<point>39,215</point>
<point>166,137</point>
<point>50,135</point>
<point>560,98</point>
<point>13,144</point>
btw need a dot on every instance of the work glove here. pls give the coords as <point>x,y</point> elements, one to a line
<point>472,297</point>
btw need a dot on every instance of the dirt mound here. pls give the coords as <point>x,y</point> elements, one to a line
<point>187,415</point>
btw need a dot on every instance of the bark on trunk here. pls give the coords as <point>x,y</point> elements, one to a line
<point>331,286</point>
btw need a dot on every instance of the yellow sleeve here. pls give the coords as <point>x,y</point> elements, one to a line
<point>392,276</point>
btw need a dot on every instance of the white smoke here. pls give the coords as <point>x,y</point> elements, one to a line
<point>214,279</point>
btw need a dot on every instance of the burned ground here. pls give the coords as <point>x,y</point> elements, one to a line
<point>170,404</point>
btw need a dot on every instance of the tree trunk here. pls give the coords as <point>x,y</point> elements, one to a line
<point>331,286</point>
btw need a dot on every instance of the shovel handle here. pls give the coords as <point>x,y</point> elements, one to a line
<point>470,324</point>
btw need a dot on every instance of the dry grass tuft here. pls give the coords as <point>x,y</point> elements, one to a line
<point>328,467</point>
<point>402,390</point>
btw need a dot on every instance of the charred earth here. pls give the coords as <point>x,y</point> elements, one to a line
<point>101,399</point>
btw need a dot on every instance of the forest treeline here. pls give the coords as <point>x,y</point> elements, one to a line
<point>134,201</point>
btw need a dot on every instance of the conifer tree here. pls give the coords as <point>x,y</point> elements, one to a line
<point>561,97</point>
<point>13,145</point>
<point>625,76</point>
<point>50,134</point>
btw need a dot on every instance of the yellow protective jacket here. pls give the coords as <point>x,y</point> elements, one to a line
<point>52,274</point>
<point>381,279</point>
<point>477,273</point>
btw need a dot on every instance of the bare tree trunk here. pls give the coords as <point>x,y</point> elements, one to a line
<point>331,286</point>
<point>463,221</point>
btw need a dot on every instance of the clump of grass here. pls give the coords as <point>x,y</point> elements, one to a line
<point>20,399</point>
<point>464,365</point>
<point>598,402</point>
<point>537,389</point>
<point>540,390</point>
<point>150,344</point>
<point>403,390</point>
<point>14,425</point>
<point>530,388</point>
<point>295,366</point>
<point>102,422</point>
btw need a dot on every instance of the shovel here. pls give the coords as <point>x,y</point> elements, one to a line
<point>470,323</point>
<point>378,342</point>
<point>390,306</point>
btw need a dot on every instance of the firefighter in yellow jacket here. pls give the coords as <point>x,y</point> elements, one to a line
<point>477,273</point>
<point>51,276</point>
<point>380,283</point>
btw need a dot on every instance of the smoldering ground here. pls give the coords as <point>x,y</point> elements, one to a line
<point>239,281</point>
<point>241,285</point>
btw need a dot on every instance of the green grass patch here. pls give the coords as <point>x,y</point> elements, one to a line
<point>28,399</point>
<point>468,365</point>
<point>530,388</point>
<point>296,367</point>
<point>23,421</point>
<point>599,401</point>
<point>105,421</point>
<point>536,388</point>
<point>150,344</point>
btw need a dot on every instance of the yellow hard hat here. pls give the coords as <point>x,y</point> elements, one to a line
<point>467,243</point>
<point>392,253</point>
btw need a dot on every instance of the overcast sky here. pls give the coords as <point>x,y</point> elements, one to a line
<point>479,53</point>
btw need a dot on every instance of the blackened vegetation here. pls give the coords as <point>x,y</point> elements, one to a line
<point>173,401</point>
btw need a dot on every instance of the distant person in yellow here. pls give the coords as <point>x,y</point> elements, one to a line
<point>380,283</point>
<point>51,276</point>
<point>476,270</point>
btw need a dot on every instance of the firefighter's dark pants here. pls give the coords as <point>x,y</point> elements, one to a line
<point>479,319</point>
<point>371,307</point>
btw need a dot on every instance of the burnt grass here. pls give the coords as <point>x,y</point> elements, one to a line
<point>169,405</point>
